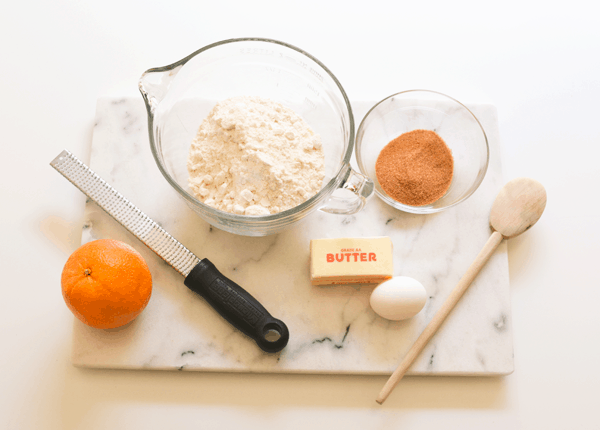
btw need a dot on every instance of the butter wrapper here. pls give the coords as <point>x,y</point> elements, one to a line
<point>364,260</point>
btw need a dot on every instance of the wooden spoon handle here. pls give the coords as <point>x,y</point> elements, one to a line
<point>482,258</point>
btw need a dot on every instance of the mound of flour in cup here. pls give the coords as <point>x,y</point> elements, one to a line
<point>253,156</point>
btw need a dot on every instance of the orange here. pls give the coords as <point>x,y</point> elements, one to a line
<point>106,283</point>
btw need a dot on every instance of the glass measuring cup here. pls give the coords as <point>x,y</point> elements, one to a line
<point>179,96</point>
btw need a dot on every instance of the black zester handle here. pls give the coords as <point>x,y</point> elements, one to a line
<point>237,306</point>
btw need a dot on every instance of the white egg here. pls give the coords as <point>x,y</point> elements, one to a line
<point>398,298</point>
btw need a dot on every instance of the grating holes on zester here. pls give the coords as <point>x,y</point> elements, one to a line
<point>125,212</point>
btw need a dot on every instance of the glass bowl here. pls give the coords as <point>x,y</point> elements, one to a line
<point>179,96</point>
<point>426,110</point>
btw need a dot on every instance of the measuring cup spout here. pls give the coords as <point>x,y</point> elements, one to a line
<point>154,85</point>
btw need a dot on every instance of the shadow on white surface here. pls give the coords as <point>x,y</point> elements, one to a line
<point>63,234</point>
<point>88,387</point>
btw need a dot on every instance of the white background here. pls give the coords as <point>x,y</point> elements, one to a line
<point>537,61</point>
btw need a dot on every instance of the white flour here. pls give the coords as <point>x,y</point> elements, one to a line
<point>253,156</point>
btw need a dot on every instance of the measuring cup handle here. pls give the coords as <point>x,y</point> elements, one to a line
<point>359,188</point>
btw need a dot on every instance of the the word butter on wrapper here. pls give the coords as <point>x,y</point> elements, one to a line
<point>366,260</point>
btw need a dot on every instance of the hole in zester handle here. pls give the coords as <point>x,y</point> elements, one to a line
<point>272,335</point>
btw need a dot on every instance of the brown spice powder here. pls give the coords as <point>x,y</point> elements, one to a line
<point>415,168</point>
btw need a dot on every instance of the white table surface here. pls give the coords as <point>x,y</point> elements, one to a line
<point>536,61</point>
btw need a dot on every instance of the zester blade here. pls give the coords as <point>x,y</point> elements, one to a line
<point>234,303</point>
<point>126,213</point>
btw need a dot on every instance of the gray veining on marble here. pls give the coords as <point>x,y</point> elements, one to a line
<point>332,329</point>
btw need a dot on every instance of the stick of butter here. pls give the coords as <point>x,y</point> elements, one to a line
<point>364,260</point>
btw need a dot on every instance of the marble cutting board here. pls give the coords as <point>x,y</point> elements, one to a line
<point>332,329</point>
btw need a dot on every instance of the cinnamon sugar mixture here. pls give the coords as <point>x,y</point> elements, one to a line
<point>416,168</point>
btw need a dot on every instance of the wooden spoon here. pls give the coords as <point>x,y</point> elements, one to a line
<point>517,207</point>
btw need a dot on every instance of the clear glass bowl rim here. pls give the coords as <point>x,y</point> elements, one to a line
<point>230,217</point>
<point>422,209</point>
